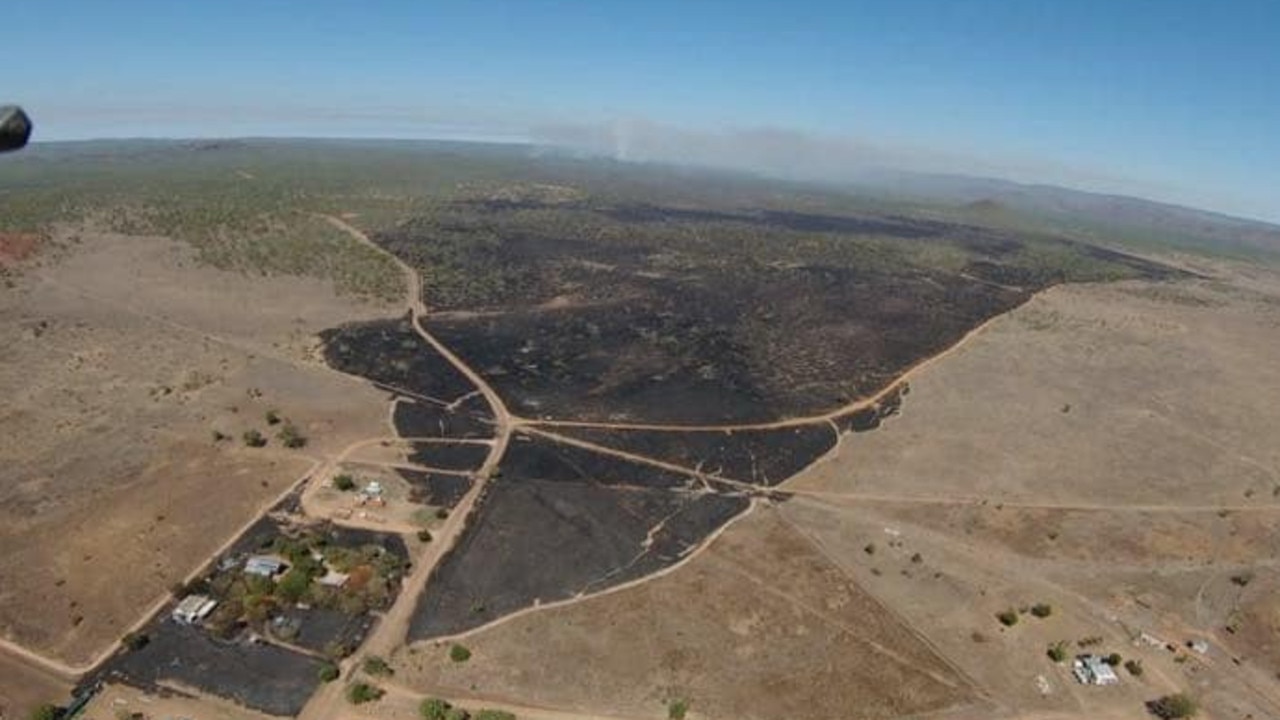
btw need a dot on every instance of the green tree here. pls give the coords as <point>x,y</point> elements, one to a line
<point>273,417</point>
<point>433,709</point>
<point>459,653</point>
<point>1008,618</point>
<point>344,482</point>
<point>493,715</point>
<point>1058,651</point>
<point>361,693</point>
<point>294,585</point>
<point>677,709</point>
<point>328,672</point>
<point>1042,610</point>
<point>254,439</point>
<point>1134,667</point>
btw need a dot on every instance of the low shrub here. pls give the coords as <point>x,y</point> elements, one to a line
<point>459,653</point>
<point>361,693</point>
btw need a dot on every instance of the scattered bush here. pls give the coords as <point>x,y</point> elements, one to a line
<point>254,439</point>
<point>1008,618</point>
<point>375,665</point>
<point>336,650</point>
<point>1173,707</point>
<point>361,693</point>
<point>677,709</point>
<point>328,672</point>
<point>47,711</point>
<point>219,436</point>
<point>1113,659</point>
<point>136,640</point>
<point>457,714</point>
<point>917,558</point>
<point>870,549</point>
<point>1042,610</point>
<point>433,709</point>
<point>344,482</point>
<point>1134,667</point>
<point>1243,579</point>
<point>459,653</point>
<point>291,437</point>
<point>273,417</point>
<point>493,715</point>
<point>1058,651</point>
<point>442,513</point>
<point>424,535</point>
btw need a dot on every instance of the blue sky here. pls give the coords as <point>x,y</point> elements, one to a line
<point>1173,99</point>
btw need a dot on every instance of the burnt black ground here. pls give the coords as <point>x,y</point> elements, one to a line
<point>762,457</point>
<point>541,541</point>
<point>449,456</point>
<point>638,313</point>
<point>714,347</point>
<point>392,355</point>
<point>422,420</point>
<point>436,489</point>
<point>641,313</point>
<point>260,676</point>
<point>538,458</point>
<point>320,629</point>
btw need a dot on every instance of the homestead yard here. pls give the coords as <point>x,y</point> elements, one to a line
<point>122,359</point>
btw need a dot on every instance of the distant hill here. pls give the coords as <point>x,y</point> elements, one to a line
<point>1128,218</point>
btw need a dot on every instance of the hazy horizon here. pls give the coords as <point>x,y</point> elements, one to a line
<point>1169,102</point>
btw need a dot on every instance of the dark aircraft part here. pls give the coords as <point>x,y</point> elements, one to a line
<point>15,128</point>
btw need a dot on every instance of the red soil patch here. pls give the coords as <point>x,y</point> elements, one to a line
<point>15,247</point>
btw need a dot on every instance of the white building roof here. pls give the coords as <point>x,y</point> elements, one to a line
<point>1093,670</point>
<point>265,565</point>
<point>194,608</point>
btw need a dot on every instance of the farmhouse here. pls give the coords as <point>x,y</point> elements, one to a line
<point>1093,670</point>
<point>265,565</point>
<point>193,609</point>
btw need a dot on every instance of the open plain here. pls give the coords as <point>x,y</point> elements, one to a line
<point>534,436</point>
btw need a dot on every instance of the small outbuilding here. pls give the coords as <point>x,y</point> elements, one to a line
<point>193,609</point>
<point>1093,670</point>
